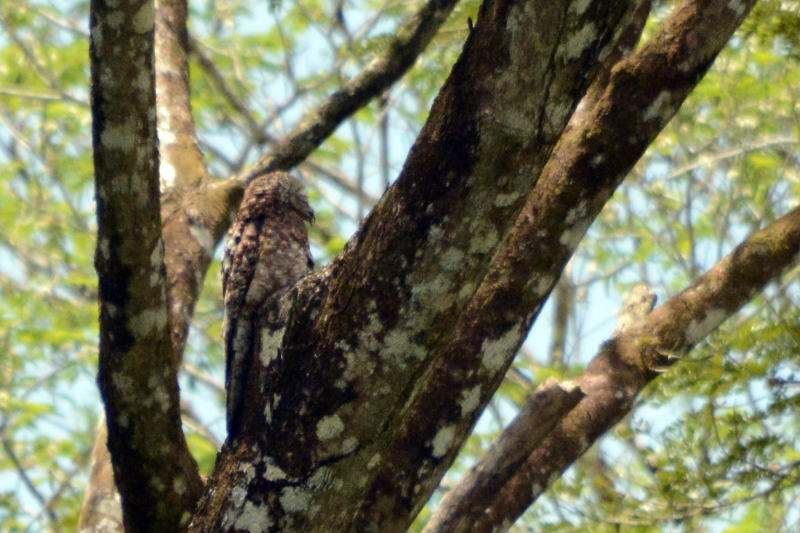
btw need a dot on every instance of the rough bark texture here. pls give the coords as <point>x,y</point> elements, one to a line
<point>626,364</point>
<point>156,475</point>
<point>373,372</point>
<point>196,211</point>
<point>101,511</point>
<point>465,503</point>
<point>366,332</point>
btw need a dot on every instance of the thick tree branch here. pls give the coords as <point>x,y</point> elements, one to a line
<point>383,311</point>
<point>189,245</point>
<point>625,365</point>
<point>101,511</point>
<point>154,471</point>
<point>370,83</point>
<point>479,345</point>
<point>604,140</point>
<point>181,163</point>
<point>464,504</point>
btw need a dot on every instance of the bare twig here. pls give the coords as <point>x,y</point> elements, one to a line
<point>382,71</point>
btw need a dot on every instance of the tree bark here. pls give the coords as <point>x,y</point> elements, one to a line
<point>156,474</point>
<point>372,372</point>
<point>368,353</point>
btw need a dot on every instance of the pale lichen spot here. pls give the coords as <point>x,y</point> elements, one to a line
<point>115,19</point>
<point>122,382</point>
<point>558,112</point>
<point>295,499</point>
<point>466,291</point>
<point>737,6</point>
<point>470,399</point>
<point>452,260</point>
<point>161,397</point>
<point>249,472</point>
<point>484,239</point>
<point>572,236</point>
<point>186,517</point>
<point>118,138</point>
<point>104,245</point>
<point>329,427</point>
<point>179,485</point>
<point>700,329</point>
<point>435,292</point>
<point>252,518</point>
<point>144,19</point>
<point>505,200</point>
<point>270,345</point>
<point>544,284</point>
<point>145,322</point>
<point>497,351</point>
<point>157,484</point>
<point>577,213</point>
<point>239,494</point>
<point>97,35</point>
<point>143,81</point>
<point>111,309</point>
<point>273,472</point>
<point>597,160</point>
<point>343,346</point>
<point>579,41</point>
<point>580,6</point>
<point>659,107</point>
<point>435,233</point>
<point>368,332</point>
<point>536,489</point>
<point>204,237</point>
<point>443,441</point>
<point>349,445</point>
<point>373,461</point>
<point>398,347</point>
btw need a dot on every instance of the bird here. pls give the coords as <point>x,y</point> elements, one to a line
<point>266,252</point>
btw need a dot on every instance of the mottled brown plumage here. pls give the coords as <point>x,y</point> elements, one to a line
<point>266,252</point>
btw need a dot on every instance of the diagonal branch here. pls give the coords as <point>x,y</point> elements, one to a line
<point>625,365</point>
<point>464,503</point>
<point>370,83</point>
<point>493,320</point>
<point>606,137</point>
<point>380,314</point>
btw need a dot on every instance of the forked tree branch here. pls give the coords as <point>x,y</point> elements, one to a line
<point>625,365</point>
<point>464,503</point>
<point>197,212</point>
<point>381,316</point>
<point>602,143</point>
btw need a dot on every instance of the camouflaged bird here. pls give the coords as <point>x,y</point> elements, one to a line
<point>266,252</point>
